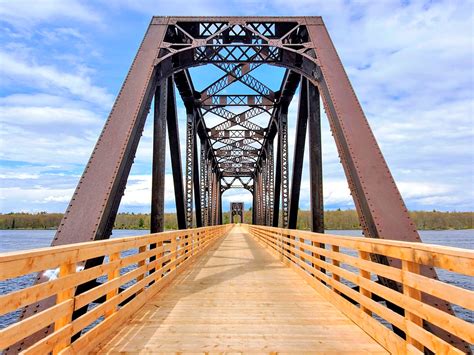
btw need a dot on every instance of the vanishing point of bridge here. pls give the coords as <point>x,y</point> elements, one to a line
<point>209,287</point>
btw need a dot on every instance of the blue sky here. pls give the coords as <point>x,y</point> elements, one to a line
<point>63,61</point>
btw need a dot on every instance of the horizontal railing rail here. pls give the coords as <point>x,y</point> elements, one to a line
<point>342,270</point>
<point>134,269</point>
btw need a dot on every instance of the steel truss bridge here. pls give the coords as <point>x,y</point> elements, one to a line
<point>238,151</point>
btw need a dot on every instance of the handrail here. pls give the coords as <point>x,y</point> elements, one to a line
<point>135,269</point>
<point>319,259</point>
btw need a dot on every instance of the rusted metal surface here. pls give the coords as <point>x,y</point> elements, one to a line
<point>237,209</point>
<point>239,151</point>
<point>91,213</point>
<point>381,209</point>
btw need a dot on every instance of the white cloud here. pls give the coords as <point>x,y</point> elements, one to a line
<point>34,195</point>
<point>47,115</point>
<point>47,77</point>
<point>19,176</point>
<point>138,190</point>
<point>24,14</point>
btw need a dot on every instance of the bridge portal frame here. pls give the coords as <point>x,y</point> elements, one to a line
<point>170,47</point>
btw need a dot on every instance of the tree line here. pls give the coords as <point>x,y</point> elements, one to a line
<point>337,219</point>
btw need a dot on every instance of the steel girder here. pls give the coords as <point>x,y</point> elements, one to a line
<point>190,145</point>
<point>315,159</point>
<point>237,45</point>
<point>175,154</point>
<point>158,169</point>
<point>301,123</point>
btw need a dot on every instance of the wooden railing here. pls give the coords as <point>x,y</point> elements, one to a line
<point>341,270</point>
<point>135,268</point>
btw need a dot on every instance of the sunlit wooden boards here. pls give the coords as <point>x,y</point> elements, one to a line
<point>239,298</point>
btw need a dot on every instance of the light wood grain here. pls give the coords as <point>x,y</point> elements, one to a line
<point>239,298</point>
<point>295,253</point>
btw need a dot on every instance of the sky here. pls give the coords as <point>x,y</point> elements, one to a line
<point>62,62</point>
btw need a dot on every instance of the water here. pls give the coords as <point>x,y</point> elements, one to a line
<point>13,240</point>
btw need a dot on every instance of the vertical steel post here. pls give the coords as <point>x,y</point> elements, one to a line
<point>264,191</point>
<point>283,135</point>
<point>315,160</point>
<point>209,191</point>
<point>204,184</point>
<point>276,192</point>
<point>197,183</point>
<point>158,169</point>
<point>189,176</point>
<point>271,183</point>
<point>254,202</point>
<point>219,217</point>
<point>175,153</point>
<point>298,156</point>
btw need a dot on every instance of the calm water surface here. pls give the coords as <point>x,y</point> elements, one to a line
<point>13,240</point>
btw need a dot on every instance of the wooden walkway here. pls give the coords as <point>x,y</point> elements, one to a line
<point>238,297</point>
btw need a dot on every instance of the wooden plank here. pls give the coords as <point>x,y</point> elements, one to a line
<point>238,298</point>
<point>65,295</point>
<point>452,324</point>
<point>365,274</point>
<point>28,326</point>
<point>112,275</point>
<point>415,294</point>
<point>449,258</point>
<point>431,342</point>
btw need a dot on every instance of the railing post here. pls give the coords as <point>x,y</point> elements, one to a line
<point>113,274</point>
<point>67,294</point>
<point>140,277</point>
<point>335,277</point>
<point>409,266</point>
<point>366,275</point>
<point>173,252</point>
<point>302,240</point>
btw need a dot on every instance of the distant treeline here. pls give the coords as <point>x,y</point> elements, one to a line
<point>338,219</point>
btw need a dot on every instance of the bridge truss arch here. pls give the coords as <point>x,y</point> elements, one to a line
<point>237,152</point>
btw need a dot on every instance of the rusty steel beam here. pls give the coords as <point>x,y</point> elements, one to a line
<point>197,184</point>
<point>175,154</point>
<point>158,169</point>
<point>277,188</point>
<point>315,160</point>
<point>381,209</point>
<point>237,46</point>
<point>236,100</point>
<point>189,176</point>
<point>298,156</point>
<point>91,212</point>
<point>284,164</point>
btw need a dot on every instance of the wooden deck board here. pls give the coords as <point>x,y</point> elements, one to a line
<point>239,298</point>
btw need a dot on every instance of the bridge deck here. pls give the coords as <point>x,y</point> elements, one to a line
<point>239,297</point>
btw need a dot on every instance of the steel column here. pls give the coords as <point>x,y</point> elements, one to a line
<point>175,153</point>
<point>276,193</point>
<point>298,156</point>
<point>382,212</point>
<point>254,202</point>
<point>271,183</point>
<point>92,210</point>
<point>315,161</point>
<point>158,169</point>
<point>264,191</point>
<point>204,184</point>
<point>197,184</point>
<point>189,176</point>
<point>283,136</point>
